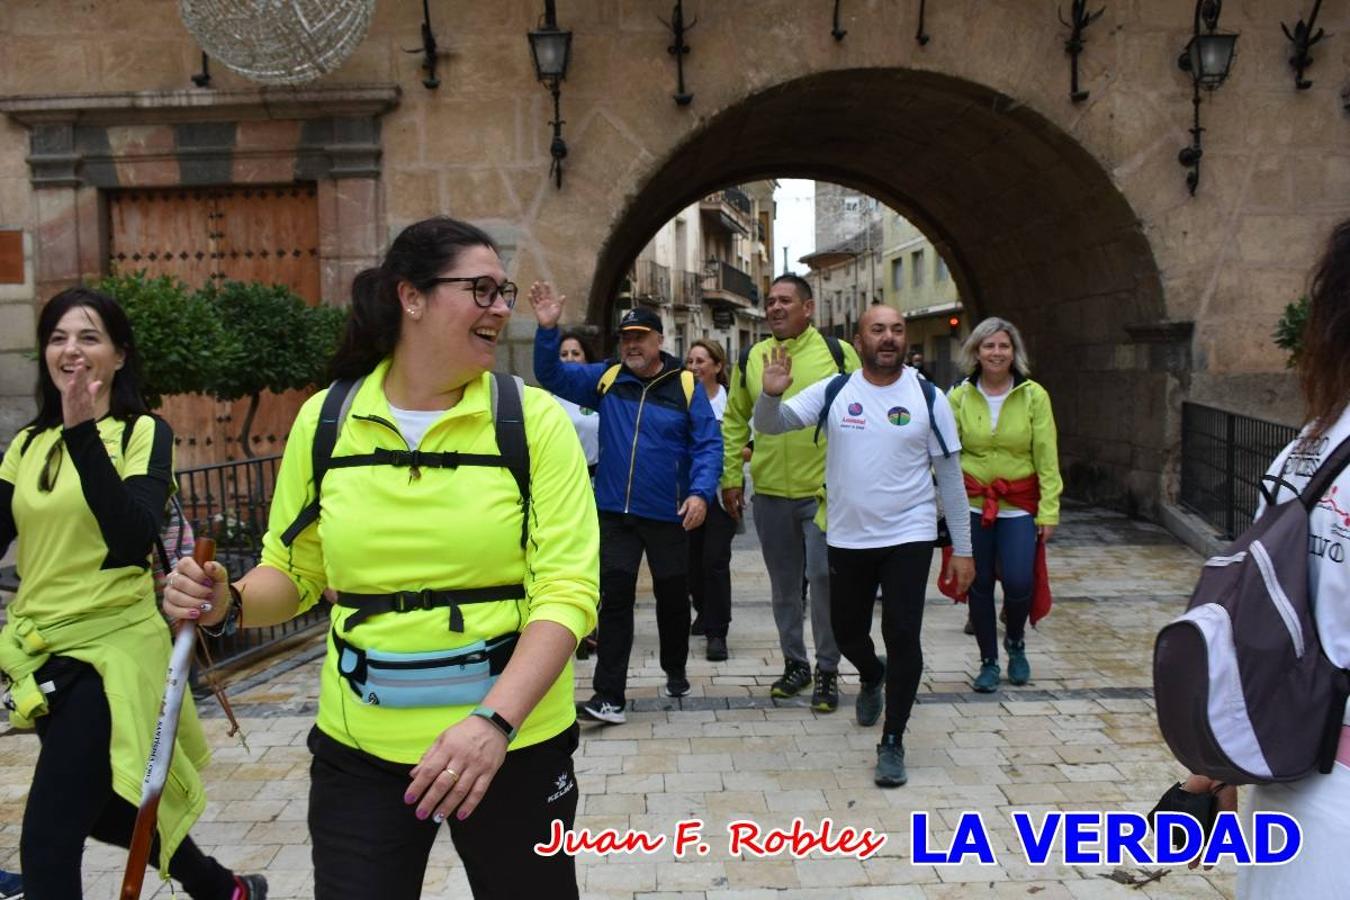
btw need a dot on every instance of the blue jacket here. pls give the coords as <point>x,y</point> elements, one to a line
<point>653,451</point>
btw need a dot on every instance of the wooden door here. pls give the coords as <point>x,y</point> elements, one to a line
<point>267,234</point>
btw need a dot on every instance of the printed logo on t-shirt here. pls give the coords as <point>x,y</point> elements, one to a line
<point>854,420</point>
<point>898,415</point>
<point>585,411</point>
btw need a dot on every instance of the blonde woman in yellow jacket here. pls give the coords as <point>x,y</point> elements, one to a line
<point>447,692</point>
<point>1010,458</point>
<point>83,487</point>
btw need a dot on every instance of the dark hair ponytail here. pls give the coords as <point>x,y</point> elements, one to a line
<point>419,254</point>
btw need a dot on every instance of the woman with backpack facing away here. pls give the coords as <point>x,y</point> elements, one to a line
<point>84,488</point>
<point>449,509</point>
<point>1320,803</point>
<point>1010,459</point>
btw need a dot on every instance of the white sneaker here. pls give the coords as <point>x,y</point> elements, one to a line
<point>604,711</point>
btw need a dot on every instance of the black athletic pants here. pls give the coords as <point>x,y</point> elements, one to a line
<point>370,845</point>
<point>710,570</point>
<point>622,541</point>
<point>902,573</point>
<point>72,796</point>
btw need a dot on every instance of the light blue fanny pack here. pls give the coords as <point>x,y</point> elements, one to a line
<point>459,677</point>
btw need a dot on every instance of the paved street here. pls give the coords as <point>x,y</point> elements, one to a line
<point>1081,736</point>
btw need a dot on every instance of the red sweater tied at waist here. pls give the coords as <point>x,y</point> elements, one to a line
<point>1025,494</point>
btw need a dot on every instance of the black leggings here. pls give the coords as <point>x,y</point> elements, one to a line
<point>368,844</point>
<point>710,570</point>
<point>902,573</point>
<point>72,796</point>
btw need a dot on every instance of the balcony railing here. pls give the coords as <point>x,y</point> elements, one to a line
<point>1223,456</point>
<point>725,279</point>
<point>688,288</point>
<point>652,281</point>
<point>730,210</point>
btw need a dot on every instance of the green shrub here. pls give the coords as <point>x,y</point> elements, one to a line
<point>1289,330</point>
<point>177,331</point>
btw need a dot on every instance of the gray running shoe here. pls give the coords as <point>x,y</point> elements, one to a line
<point>871,698</point>
<point>602,710</point>
<point>890,770</point>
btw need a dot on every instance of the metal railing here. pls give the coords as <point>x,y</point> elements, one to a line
<point>688,287</point>
<point>652,281</point>
<point>229,502</point>
<point>723,276</point>
<point>1223,456</point>
<point>738,199</point>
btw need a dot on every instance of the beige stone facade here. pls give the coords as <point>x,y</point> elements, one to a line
<point>1073,219</point>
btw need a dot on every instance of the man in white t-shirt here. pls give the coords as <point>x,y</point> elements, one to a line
<point>880,460</point>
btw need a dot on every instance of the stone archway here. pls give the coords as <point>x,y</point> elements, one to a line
<point>1032,224</point>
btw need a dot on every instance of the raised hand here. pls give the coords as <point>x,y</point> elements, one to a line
<point>77,396</point>
<point>547,307</point>
<point>777,376</point>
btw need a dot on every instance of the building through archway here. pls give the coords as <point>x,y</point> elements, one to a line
<point>1032,224</point>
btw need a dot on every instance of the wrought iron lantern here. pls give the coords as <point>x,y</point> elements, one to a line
<point>1207,58</point>
<point>551,49</point>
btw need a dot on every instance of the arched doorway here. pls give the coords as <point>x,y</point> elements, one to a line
<point>1032,224</point>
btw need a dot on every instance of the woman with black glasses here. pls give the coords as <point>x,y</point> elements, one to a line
<point>449,509</point>
<point>84,487</point>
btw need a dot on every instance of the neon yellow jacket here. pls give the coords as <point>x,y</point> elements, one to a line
<point>1025,442</point>
<point>788,465</point>
<point>70,605</point>
<point>382,529</point>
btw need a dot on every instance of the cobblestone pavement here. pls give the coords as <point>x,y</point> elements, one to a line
<point>1080,736</point>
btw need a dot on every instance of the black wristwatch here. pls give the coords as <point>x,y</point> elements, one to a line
<point>497,719</point>
<point>234,619</point>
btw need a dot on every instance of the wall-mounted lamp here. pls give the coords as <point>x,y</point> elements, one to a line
<point>679,49</point>
<point>836,32</point>
<point>1079,20</point>
<point>428,50</point>
<point>551,49</point>
<point>1207,58</point>
<point>203,78</point>
<point>920,35</point>
<point>1303,39</point>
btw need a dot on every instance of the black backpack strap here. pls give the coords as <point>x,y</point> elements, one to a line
<point>742,361</point>
<point>836,351</point>
<point>929,397</point>
<point>508,413</point>
<point>336,404</point>
<point>1326,473</point>
<point>831,391</point>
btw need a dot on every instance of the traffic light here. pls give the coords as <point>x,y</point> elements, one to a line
<point>954,323</point>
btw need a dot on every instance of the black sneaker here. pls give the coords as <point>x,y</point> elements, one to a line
<point>717,649</point>
<point>250,887</point>
<point>871,698</point>
<point>825,695</point>
<point>796,676</point>
<point>602,710</point>
<point>890,771</point>
<point>676,687</point>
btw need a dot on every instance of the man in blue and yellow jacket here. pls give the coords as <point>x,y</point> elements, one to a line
<point>660,461</point>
